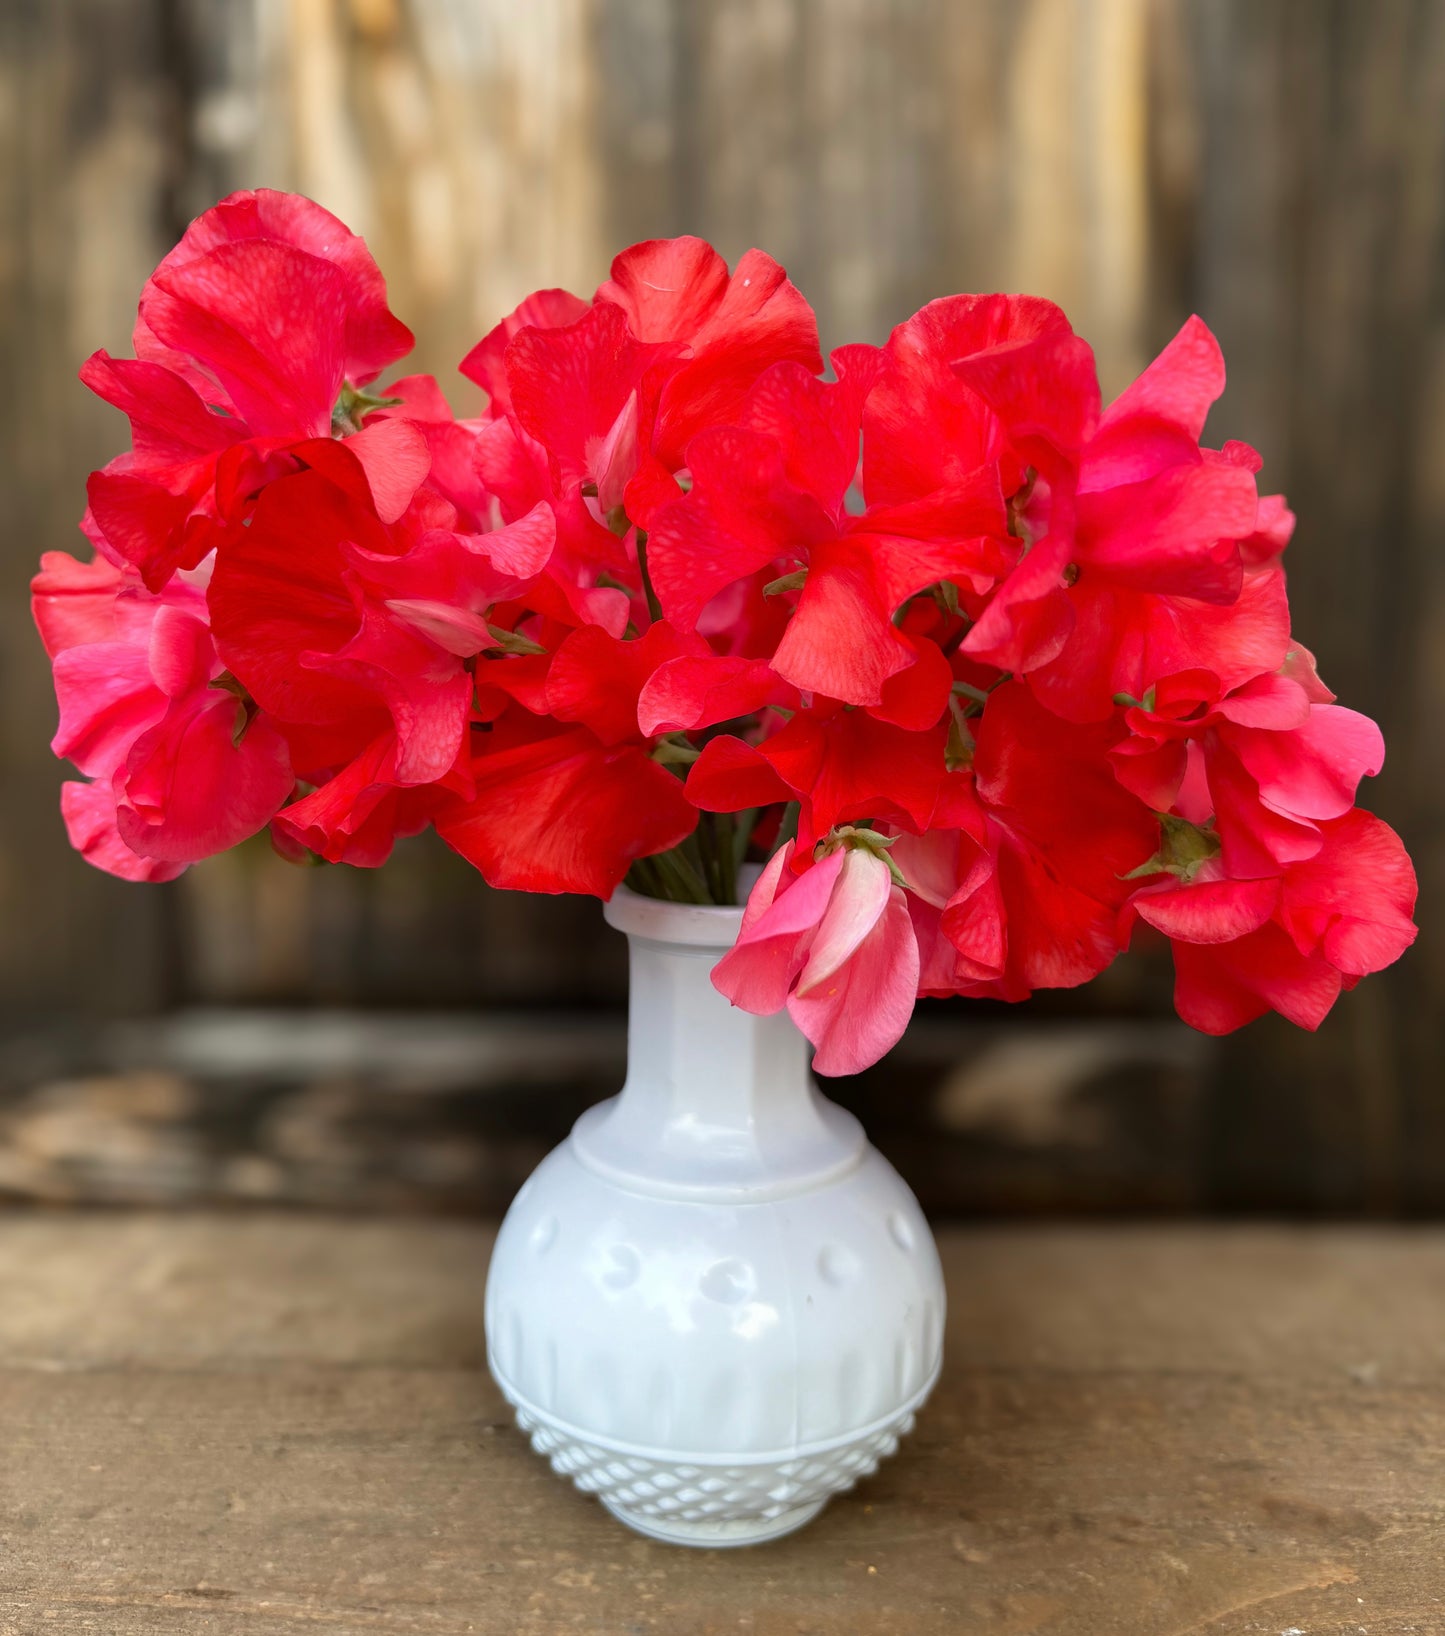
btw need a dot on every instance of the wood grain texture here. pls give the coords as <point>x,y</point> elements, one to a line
<point>86,113</point>
<point>438,1115</point>
<point>274,1425</point>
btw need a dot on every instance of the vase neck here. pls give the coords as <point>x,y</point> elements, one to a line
<point>718,1103</point>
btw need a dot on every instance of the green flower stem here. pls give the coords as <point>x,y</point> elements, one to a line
<point>654,607</point>
<point>705,838</point>
<point>968,691</point>
<point>743,825</point>
<point>676,878</point>
<point>721,824</point>
<point>704,868</point>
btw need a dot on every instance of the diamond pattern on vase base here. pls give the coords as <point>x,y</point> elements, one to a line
<point>703,1503</point>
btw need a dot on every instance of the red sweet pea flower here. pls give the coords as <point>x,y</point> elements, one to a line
<point>835,945</point>
<point>974,380</point>
<point>679,292</point>
<point>357,816</point>
<point>453,469</point>
<point>597,680</point>
<point>701,690</point>
<point>670,344</point>
<point>154,508</point>
<point>327,655</point>
<point>90,825</point>
<point>248,332</point>
<point>370,339</point>
<point>75,603</point>
<point>1274,889</point>
<point>1023,867</point>
<point>840,765</point>
<point>557,811</point>
<point>1288,783</point>
<point>1265,763</point>
<point>388,623</point>
<point>1149,580</point>
<point>515,469</point>
<point>1289,943</point>
<point>371,633</point>
<point>181,768</point>
<point>486,363</point>
<point>778,478</point>
<point>600,400</point>
<point>566,805</point>
<point>575,391</point>
<point>1154,760</point>
<point>769,498</point>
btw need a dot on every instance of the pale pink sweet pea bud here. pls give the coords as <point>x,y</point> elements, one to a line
<point>836,946</point>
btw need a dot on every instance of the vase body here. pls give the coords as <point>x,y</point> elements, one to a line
<point>715,1305</point>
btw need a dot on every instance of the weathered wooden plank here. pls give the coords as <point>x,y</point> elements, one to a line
<point>84,109</point>
<point>449,1114</point>
<point>1321,189</point>
<point>279,1425</point>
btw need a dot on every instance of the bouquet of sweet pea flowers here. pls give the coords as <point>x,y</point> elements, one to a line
<point>981,672</point>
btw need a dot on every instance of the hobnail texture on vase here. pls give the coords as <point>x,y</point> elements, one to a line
<point>700,1502</point>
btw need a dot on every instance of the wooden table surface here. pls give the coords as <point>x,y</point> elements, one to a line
<point>269,1424</point>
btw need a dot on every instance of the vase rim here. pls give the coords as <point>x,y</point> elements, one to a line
<point>687,925</point>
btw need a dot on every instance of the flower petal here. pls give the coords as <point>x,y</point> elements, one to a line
<point>859,897</point>
<point>863,1011</point>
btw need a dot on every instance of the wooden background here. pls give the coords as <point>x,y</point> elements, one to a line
<point>1276,165</point>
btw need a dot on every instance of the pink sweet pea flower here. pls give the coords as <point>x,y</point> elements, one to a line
<point>181,767</point>
<point>835,945</point>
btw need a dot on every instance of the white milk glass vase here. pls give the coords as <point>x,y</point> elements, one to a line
<point>715,1305</point>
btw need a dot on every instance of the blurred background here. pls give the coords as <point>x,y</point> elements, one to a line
<point>409,1040</point>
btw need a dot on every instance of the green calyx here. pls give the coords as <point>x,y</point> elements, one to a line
<point>942,593</point>
<point>958,753</point>
<point>1129,702</point>
<point>232,684</point>
<point>513,641</point>
<point>1184,849</point>
<point>786,582</point>
<point>352,407</point>
<point>673,750</point>
<point>857,838</point>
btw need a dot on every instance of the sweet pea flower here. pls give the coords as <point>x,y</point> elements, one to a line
<point>835,945</point>
<point>264,323</point>
<point>180,767</point>
<point>1291,942</point>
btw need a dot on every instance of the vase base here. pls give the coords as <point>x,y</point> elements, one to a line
<point>717,1533</point>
